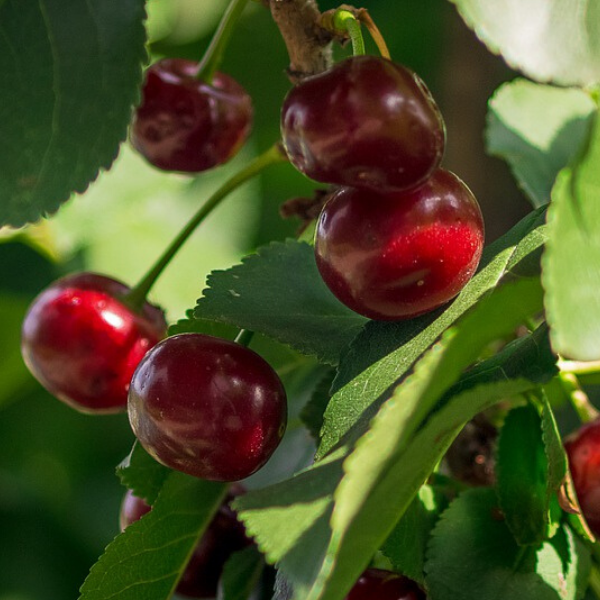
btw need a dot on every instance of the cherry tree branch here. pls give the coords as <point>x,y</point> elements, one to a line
<point>308,44</point>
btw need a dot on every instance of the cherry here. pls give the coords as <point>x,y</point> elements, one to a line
<point>366,122</point>
<point>82,343</point>
<point>186,124</point>
<point>583,450</point>
<point>400,254</point>
<point>377,584</point>
<point>208,407</point>
<point>224,536</point>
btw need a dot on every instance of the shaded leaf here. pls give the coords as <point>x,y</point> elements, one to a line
<point>143,475</point>
<point>522,476</point>
<point>472,555</point>
<point>313,411</point>
<point>240,574</point>
<point>279,292</point>
<point>86,61</point>
<point>538,130</point>
<point>549,40</point>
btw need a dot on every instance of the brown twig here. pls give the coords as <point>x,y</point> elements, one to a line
<point>308,44</point>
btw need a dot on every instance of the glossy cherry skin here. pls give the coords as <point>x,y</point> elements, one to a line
<point>207,407</point>
<point>377,584</point>
<point>367,122</point>
<point>583,450</point>
<point>185,124</point>
<point>83,344</point>
<point>224,536</point>
<point>401,254</point>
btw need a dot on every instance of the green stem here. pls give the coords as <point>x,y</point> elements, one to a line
<point>137,296</point>
<point>344,20</point>
<point>214,53</point>
<point>581,403</point>
<point>244,337</point>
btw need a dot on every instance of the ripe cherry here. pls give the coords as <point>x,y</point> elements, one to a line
<point>82,343</point>
<point>208,407</point>
<point>186,124</point>
<point>377,584</point>
<point>366,122</point>
<point>400,254</point>
<point>224,536</point>
<point>583,450</point>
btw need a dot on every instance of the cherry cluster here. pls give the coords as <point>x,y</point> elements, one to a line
<point>399,237</point>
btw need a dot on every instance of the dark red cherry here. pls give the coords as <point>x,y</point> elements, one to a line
<point>83,344</point>
<point>583,450</point>
<point>208,407</point>
<point>377,584</point>
<point>224,536</point>
<point>367,122</point>
<point>401,254</point>
<point>185,124</point>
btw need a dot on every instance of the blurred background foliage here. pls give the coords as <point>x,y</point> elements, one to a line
<point>59,497</point>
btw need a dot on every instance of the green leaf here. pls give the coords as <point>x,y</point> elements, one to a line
<point>549,40</point>
<point>147,559</point>
<point>379,467</point>
<point>240,574</point>
<point>472,555</point>
<point>538,130</point>
<point>570,272</point>
<point>522,475</point>
<point>291,520</point>
<point>384,352</point>
<point>140,473</point>
<point>279,292</point>
<point>313,411</point>
<point>69,76</point>
<point>406,545</point>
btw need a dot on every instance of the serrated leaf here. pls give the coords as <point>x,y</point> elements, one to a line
<point>405,546</point>
<point>384,352</point>
<point>379,468</point>
<point>240,574</point>
<point>147,559</point>
<point>193,325</point>
<point>291,520</point>
<point>538,130</point>
<point>140,473</point>
<point>278,292</point>
<point>69,76</point>
<point>571,272</point>
<point>521,473</point>
<point>472,555</point>
<point>548,40</point>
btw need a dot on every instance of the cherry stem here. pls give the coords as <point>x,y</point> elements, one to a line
<point>274,155</point>
<point>364,17</point>
<point>244,337</point>
<point>581,403</point>
<point>214,53</point>
<point>344,20</point>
